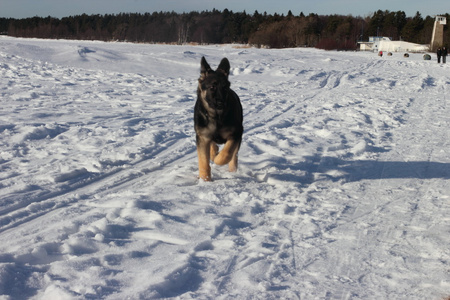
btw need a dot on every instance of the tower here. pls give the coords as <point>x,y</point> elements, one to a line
<point>437,39</point>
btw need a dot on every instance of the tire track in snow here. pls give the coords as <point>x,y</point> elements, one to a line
<point>86,185</point>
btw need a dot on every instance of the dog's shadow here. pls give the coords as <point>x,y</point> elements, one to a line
<point>335,169</point>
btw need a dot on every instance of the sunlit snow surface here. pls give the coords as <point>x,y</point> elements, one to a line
<point>342,192</point>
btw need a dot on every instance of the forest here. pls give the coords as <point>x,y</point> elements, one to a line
<point>329,32</point>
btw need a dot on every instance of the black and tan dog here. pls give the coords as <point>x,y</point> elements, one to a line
<point>217,118</point>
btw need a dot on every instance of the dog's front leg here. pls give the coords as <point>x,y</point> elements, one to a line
<point>203,152</point>
<point>228,155</point>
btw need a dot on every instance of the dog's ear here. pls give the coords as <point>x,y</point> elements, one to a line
<point>224,67</point>
<point>204,69</point>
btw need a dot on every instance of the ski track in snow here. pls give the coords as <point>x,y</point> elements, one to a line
<point>341,192</point>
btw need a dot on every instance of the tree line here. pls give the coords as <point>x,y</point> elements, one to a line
<point>216,27</point>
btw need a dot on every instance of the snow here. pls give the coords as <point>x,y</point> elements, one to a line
<point>342,191</point>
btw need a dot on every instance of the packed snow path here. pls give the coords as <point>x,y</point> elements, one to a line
<point>342,190</point>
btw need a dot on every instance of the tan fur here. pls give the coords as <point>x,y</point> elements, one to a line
<point>203,160</point>
<point>227,154</point>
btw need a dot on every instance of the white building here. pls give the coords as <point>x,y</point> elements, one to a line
<point>386,44</point>
<point>437,39</point>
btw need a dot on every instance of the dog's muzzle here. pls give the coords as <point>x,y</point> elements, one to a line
<point>220,105</point>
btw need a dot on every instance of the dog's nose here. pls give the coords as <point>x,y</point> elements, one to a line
<point>219,104</point>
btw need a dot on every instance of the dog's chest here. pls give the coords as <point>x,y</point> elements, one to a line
<point>214,131</point>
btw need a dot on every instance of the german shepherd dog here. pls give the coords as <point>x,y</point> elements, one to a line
<point>217,119</point>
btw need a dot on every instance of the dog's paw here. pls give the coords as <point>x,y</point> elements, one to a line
<point>232,168</point>
<point>205,177</point>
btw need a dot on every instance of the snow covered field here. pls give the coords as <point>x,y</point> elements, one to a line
<point>342,192</point>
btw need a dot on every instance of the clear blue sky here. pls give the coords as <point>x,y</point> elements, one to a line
<point>63,8</point>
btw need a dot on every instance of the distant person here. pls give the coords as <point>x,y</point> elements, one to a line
<point>439,54</point>
<point>444,55</point>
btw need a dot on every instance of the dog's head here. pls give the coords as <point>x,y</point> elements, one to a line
<point>214,86</point>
